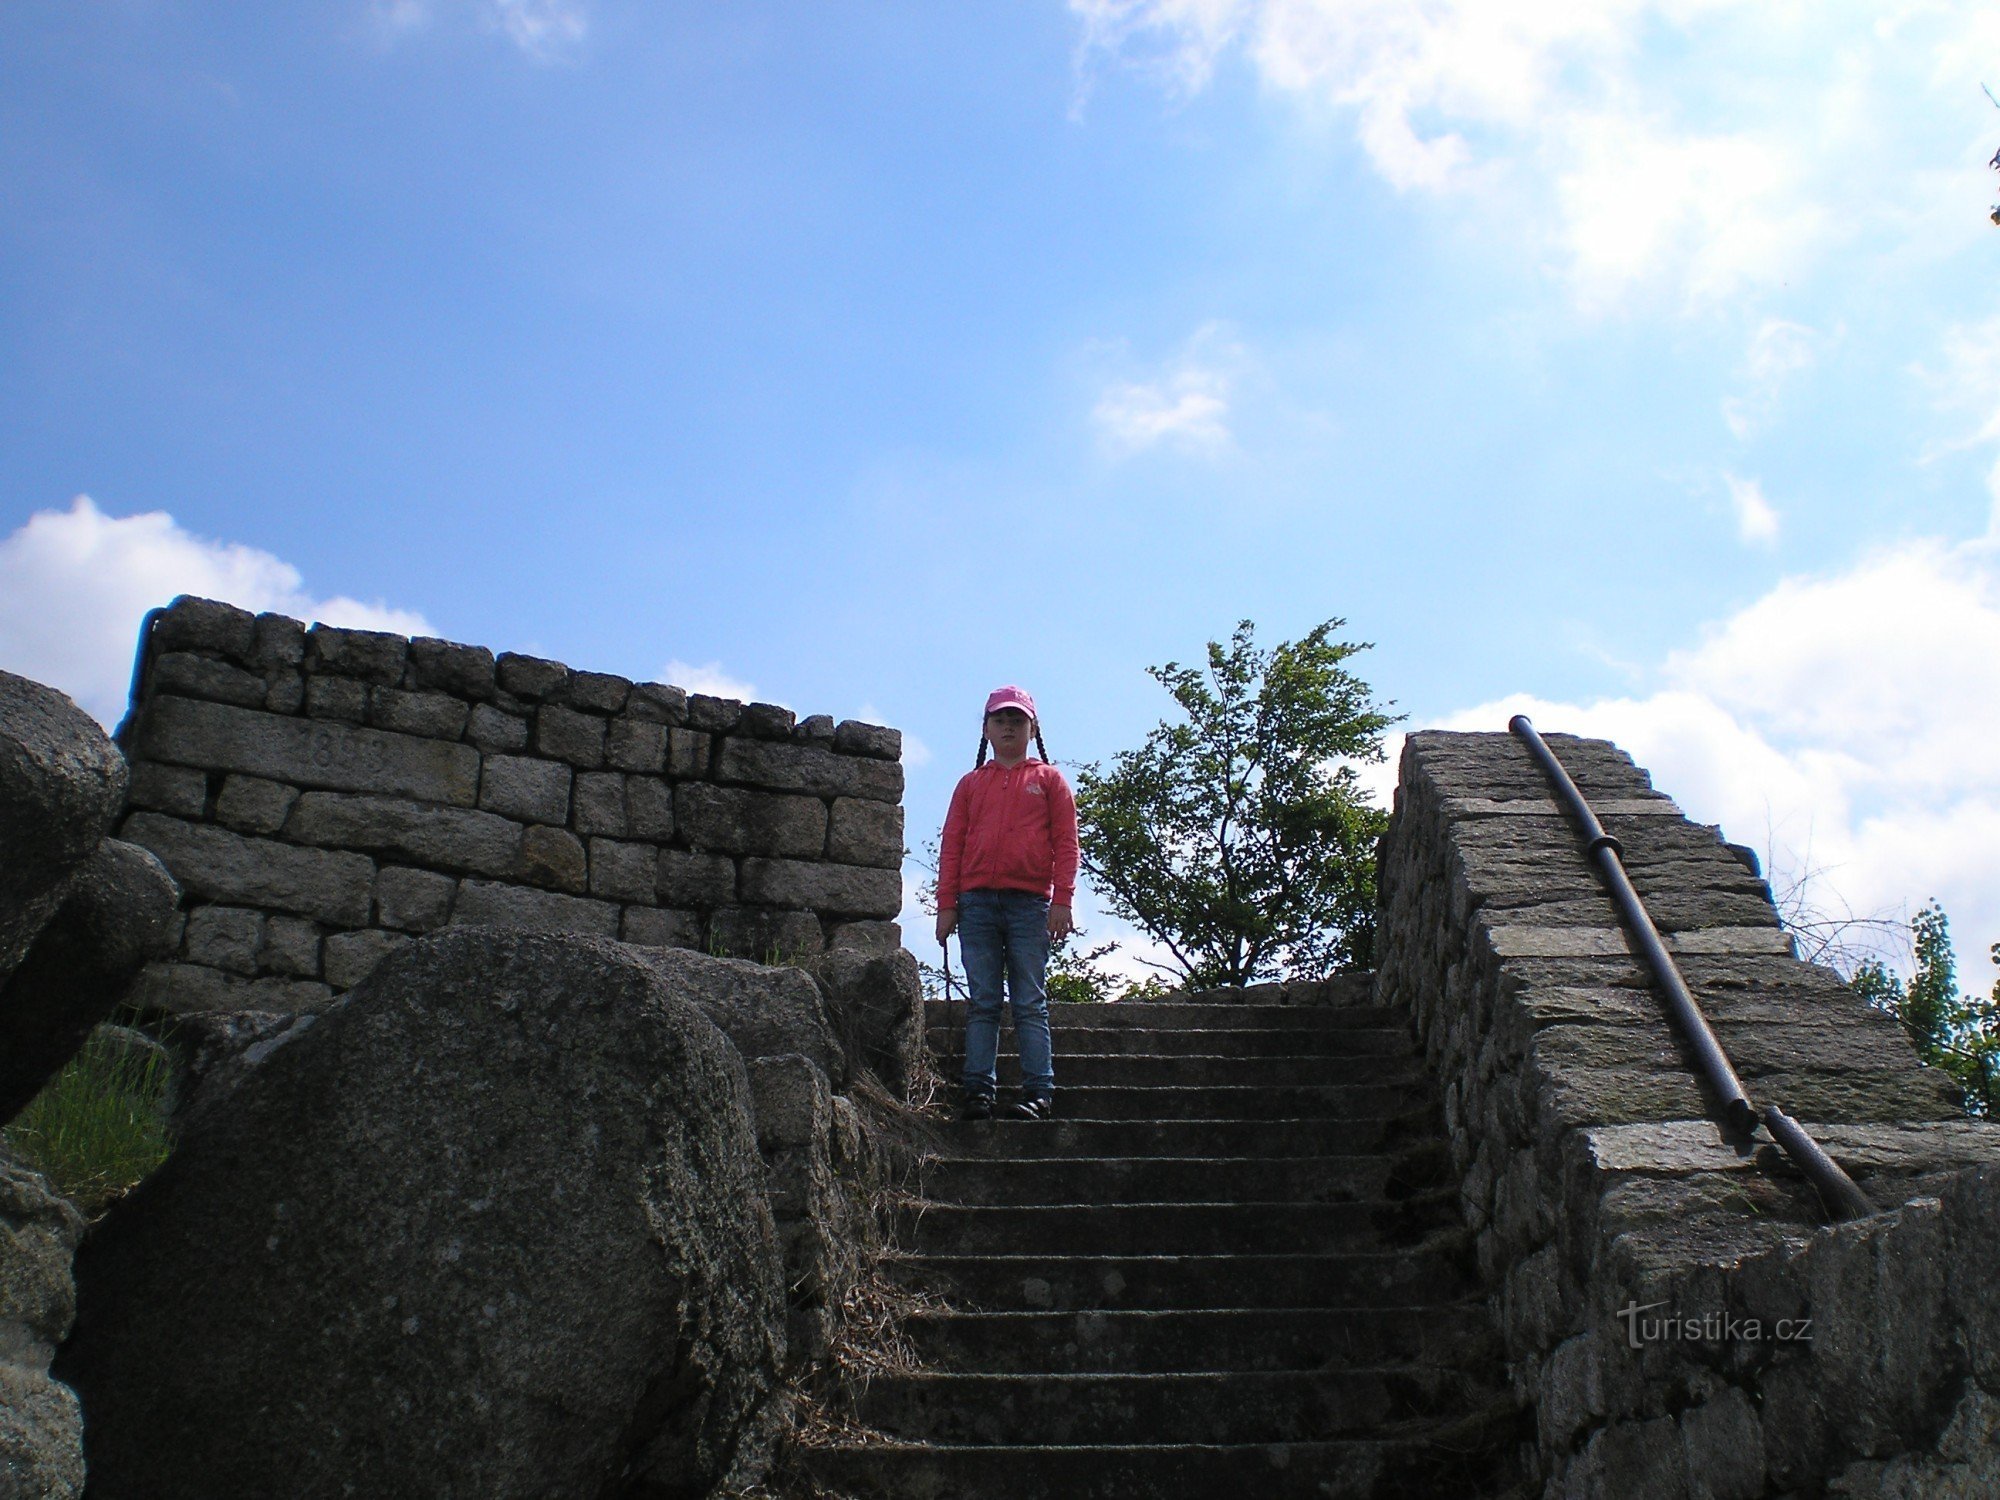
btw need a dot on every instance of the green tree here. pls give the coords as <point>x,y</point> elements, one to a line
<point>1240,838</point>
<point>1951,1031</point>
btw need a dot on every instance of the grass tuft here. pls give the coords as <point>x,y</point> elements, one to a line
<point>98,1127</point>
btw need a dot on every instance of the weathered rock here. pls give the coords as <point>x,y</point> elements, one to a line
<point>369,655</point>
<point>445,838</point>
<point>494,729</point>
<point>341,698</point>
<point>61,784</point>
<point>767,721</point>
<point>690,879</point>
<point>195,676</point>
<point>111,921</point>
<point>250,804</point>
<point>876,1002</point>
<point>867,937</point>
<point>764,936</point>
<point>863,833</point>
<point>490,904</point>
<point>414,900</point>
<point>604,692</point>
<point>216,1050</point>
<point>494,1226</point>
<point>636,745</point>
<point>794,1111</point>
<point>852,737</point>
<point>438,715</point>
<point>180,790</point>
<point>764,1011</point>
<point>737,820</point>
<point>657,703</point>
<point>554,857</point>
<point>568,735</point>
<point>848,890</point>
<point>534,791</point>
<point>195,624</point>
<point>216,865</point>
<point>622,871</point>
<point>305,752</point>
<point>807,768</point>
<point>185,989</point>
<point>41,1427</point>
<point>661,927</point>
<point>464,670</point>
<point>531,677</point>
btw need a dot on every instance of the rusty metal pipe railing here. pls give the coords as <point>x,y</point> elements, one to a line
<point>1842,1197</point>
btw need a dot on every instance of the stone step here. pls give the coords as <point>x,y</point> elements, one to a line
<point>1174,1179</point>
<point>1024,1139</point>
<point>1293,1041</point>
<point>1158,1015</point>
<point>1332,1101</point>
<point>1446,1335</point>
<point>1196,1071</point>
<point>1438,1267</point>
<point>1239,1406</point>
<point>1434,1463</point>
<point>1176,1228</point>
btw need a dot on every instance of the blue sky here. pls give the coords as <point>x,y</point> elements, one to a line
<point>1640,366</point>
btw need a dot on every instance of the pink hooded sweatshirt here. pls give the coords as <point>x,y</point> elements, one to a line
<point>1010,828</point>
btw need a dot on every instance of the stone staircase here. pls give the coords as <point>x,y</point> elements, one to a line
<point>1234,1262</point>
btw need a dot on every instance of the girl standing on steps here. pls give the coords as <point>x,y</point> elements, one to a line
<point>1006,877</point>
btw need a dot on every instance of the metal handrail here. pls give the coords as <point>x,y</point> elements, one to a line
<point>1842,1197</point>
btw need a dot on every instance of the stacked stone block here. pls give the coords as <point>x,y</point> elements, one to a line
<point>323,795</point>
<point>1601,1192</point>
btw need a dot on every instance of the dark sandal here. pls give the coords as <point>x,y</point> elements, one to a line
<point>1032,1109</point>
<point>976,1107</point>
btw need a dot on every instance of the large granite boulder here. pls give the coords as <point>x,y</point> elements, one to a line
<point>493,1225</point>
<point>112,919</point>
<point>61,784</point>
<point>766,1012</point>
<point>876,1002</point>
<point>41,1429</point>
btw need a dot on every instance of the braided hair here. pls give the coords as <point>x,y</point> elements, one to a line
<point>1041,749</point>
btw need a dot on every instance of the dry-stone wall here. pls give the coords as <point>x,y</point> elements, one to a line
<point>1675,1310</point>
<point>323,795</point>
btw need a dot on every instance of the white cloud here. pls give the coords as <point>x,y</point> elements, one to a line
<point>1184,405</point>
<point>709,678</point>
<point>1756,522</point>
<point>1843,722</point>
<point>1702,147</point>
<point>544,30</point>
<point>1970,382</point>
<point>1778,350</point>
<point>75,584</point>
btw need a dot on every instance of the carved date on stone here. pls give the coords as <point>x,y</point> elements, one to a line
<point>308,752</point>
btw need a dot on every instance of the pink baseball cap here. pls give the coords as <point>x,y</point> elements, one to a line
<point>1010,697</point>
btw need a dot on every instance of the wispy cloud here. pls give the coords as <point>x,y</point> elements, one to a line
<point>1756,521</point>
<point>1778,350</point>
<point>1185,404</point>
<point>709,678</point>
<point>1700,148</point>
<point>75,584</point>
<point>545,30</point>
<point>1969,383</point>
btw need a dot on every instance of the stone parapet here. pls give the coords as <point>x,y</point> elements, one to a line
<point>322,795</point>
<point>1675,1309</point>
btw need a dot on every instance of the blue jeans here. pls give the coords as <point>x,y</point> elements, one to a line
<point>1005,934</point>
